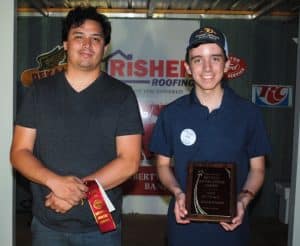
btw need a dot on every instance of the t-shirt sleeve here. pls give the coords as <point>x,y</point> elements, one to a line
<point>129,118</point>
<point>26,114</point>
<point>161,142</point>
<point>258,144</point>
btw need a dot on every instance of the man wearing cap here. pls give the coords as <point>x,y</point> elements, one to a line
<point>211,124</point>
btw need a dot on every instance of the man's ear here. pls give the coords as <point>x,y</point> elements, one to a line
<point>187,68</point>
<point>106,48</point>
<point>65,44</point>
<point>227,66</point>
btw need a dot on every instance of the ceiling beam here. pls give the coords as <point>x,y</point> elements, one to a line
<point>192,12</point>
<point>39,5</point>
<point>267,8</point>
<point>150,8</point>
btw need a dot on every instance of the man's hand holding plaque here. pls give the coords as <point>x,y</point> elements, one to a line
<point>180,208</point>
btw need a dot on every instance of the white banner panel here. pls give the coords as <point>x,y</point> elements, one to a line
<point>148,55</point>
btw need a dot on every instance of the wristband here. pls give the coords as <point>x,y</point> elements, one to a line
<point>248,192</point>
<point>178,193</point>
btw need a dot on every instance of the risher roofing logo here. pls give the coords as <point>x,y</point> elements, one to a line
<point>147,71</point>
<point>49,63</point>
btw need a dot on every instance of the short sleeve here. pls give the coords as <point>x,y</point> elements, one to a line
<point>258,144</point>
<point>129,120</point>
<point>26,114</point>
<point>161,142</point>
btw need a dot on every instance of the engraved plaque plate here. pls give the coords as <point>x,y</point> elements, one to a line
<point>211,191</point>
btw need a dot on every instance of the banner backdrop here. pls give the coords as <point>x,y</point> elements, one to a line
<point>148,55</point>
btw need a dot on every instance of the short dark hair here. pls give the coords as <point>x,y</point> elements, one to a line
<point>77,16</point>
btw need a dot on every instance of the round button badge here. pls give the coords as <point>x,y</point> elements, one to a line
<point>188,137</point>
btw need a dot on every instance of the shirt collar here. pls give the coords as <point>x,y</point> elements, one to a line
<point>226,100</point>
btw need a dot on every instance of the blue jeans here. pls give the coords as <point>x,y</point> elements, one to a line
<point>43,236</point>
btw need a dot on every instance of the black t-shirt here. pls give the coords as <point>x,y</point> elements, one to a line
<point>76,135</point>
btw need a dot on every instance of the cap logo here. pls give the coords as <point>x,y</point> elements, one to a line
<point>207,33</point>
<point>209,30</point>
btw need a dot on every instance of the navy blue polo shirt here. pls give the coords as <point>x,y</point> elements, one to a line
<point>186,131</point>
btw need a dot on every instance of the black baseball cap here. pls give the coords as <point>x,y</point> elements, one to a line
<point>205,35</point>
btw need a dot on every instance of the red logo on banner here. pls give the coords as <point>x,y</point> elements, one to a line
<point>236,69</point>
<point>272,95</point>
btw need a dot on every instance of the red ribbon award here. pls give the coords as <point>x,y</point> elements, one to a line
<point>97,199</point>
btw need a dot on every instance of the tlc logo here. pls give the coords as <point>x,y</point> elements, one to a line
<point>272,95</point>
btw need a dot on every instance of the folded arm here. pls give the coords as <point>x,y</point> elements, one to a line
<point>69,188</point>
<point>125,165</point>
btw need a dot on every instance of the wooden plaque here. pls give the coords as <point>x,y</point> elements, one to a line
<point>211,191</point>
